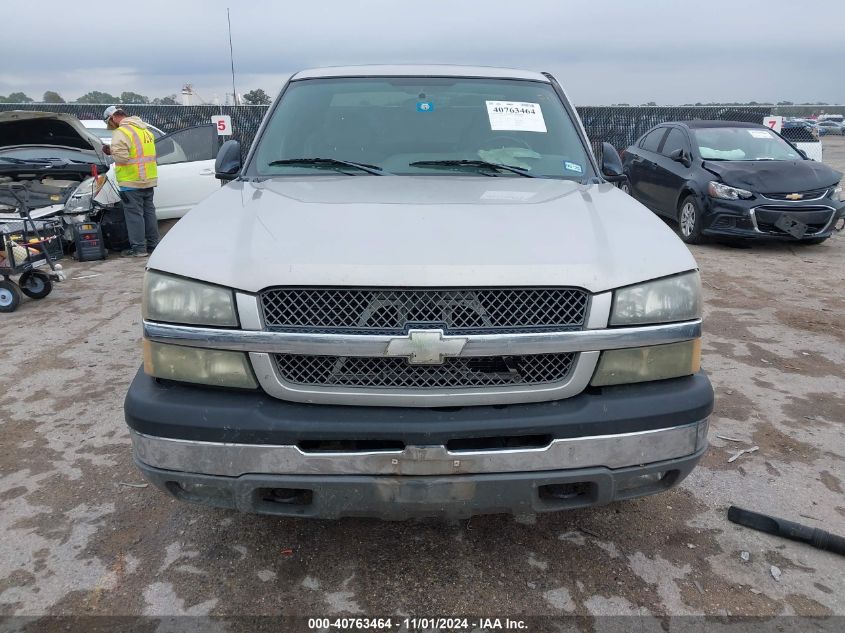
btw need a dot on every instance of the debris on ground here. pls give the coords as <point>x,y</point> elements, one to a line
<point>731,439</point>
<point>776,573</point>
<point>814,537</point>
<point>745,556</point>
<point>128,485</point>
<point>287,551</point>
<point>739,454</point>
<point>591,533</point>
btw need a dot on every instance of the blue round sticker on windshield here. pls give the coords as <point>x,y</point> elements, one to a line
<point>425,106</point>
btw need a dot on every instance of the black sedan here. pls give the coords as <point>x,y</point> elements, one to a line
<point>731,179</point>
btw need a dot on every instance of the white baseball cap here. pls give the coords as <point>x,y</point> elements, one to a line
<point>111,111</point>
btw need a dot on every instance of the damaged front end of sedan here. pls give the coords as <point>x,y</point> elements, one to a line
<point>56,166</point>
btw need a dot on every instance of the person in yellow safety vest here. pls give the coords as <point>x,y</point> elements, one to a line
<point>134,152</point>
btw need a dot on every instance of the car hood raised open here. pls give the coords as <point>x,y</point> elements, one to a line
<point>774,176</point>
<point>22,128</point>
<point>421,231</point>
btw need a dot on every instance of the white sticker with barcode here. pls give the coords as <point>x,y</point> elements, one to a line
<point>760,133</point>
<point>515,116</point>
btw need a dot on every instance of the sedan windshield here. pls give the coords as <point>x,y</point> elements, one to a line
<point>449,126</point>
<point>743,143</point>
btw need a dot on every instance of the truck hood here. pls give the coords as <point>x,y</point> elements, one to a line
<point>774,176</point>
<point>420,231</point>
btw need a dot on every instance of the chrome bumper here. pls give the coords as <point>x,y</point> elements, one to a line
<point>233,460</point>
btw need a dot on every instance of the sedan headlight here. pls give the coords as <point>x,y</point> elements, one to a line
<point>82,198</point>
<point>723,192</point>
<point>665,300</point>
<point>836,195</point>
<point>178,300</point>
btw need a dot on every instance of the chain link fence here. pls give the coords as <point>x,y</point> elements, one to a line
<point>618,125</point>
<point>168,118</point>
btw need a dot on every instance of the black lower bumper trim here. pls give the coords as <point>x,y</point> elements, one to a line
<point>396,498</point>
<point>203,414</point>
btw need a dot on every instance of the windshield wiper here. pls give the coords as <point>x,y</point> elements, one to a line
<point>472,163</point>
<point>331,163</point>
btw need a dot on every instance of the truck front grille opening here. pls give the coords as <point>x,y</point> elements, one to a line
<point>350,446</point>
<point>391,310</point>
<point>648,483</point>
<point>287,496</point>
<point>398,373</point>
<point>566,492</point>
<point>200,493</point>
<point>498,443</point>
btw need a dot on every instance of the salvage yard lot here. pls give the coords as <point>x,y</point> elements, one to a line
<point>80,537</point>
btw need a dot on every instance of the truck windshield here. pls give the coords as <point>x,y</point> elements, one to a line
<point>743,143</point>
<point>422,127</point>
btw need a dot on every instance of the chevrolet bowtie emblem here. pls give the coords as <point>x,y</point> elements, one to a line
<point>425,347</point>
<point>794,196</point>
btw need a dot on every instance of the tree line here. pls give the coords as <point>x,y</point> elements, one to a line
<point>253,97</point>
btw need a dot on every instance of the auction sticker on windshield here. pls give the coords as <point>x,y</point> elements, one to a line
<point>515,116</point>
<point>760,133</point>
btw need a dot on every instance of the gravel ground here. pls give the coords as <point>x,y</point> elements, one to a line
<point>77,540</point>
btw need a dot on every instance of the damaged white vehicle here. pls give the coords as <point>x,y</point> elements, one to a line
<point>63,168</point>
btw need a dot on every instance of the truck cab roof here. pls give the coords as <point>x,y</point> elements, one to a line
<point>414,70</point>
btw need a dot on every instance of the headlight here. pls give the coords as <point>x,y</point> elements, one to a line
<point>836,195</point>
<point>665,300</point>
<point>718,190</point>
<point>177,300</point>
<point>82,199</point>
<point>204,366</point>
<point>641,364</point>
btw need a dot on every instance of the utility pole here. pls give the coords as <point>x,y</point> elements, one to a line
<point>232,58</point>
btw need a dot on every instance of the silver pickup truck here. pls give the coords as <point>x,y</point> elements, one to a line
<point>419,294</point>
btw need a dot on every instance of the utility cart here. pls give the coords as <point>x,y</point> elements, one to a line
<point>27,247</point>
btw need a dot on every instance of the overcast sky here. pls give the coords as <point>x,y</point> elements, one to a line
<point>602,52</point>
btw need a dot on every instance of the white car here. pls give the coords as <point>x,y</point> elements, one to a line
<point>60,164</point>
<point>101,130</point>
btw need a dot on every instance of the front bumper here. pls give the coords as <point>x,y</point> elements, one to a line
<point>249,451</point>
<point>755,219</point>
<point>397,498</point>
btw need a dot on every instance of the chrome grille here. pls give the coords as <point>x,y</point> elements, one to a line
<point>815,194</point>
<point>392,311</point>
<point>363,372</point>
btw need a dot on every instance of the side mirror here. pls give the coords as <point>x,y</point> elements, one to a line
<point>611,164</point>
<point>680,156</point>
<point>228,163</point>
